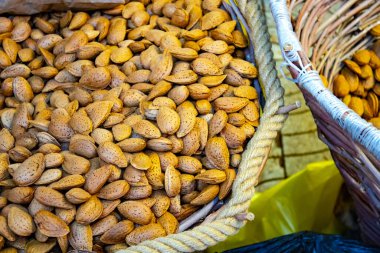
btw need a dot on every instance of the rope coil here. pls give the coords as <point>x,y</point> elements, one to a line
<point>234,215</point>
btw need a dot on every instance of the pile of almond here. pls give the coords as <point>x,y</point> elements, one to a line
<point>357,85</point>
<point>118,124</point>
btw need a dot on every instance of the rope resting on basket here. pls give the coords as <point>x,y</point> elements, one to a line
<point>307,78</point>
<point>234,215</point>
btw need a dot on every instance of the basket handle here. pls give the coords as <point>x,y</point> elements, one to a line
<point>306,77</point>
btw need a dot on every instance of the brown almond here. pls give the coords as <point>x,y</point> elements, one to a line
<point>206,195</point>
<point>117,233</point>
<point>89,211</point>
<point>51,197</point>
<point>169,223</point>
<point>20,222</point>
<point>114,190</point>
<point>50,224</point>
<point>136,212</point>
<point>147,232</point>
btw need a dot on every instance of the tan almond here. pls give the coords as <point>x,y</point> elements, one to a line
<point>68,182</point>
<point>147,232</point>
<point>80,237</point>
<point>206,195</point>
<point>226,186</point>
<point>169,223</point>
<point>104,224</point>
<point>50,225</point>
<point>20,222</point>
<point>135,211</point>
<point>77,195</point>
<point>89,211</point>
<point>51,197</point>
<point>114,190</point>
<point>117,233</point>
<point>217,152</point>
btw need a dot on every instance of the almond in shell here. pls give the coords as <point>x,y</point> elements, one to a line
<point>169,223</point>
<point>20,222</point>
<point>101,226</point>
<point>77,195</point>
<point>147,232</point>
<point>50,224</point>
<point>51,197</point>
<point>136,211</point>
<point>80,237</point>
<point>89,211</point>
<point>30,170</point>
<point>114,190</point>
<point>117,233</point>
<point>206,195</point>
<point>217,152</point>
<point>226,186</point>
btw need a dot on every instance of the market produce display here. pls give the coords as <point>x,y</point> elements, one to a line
<point>357,84</point>
<point>118,124</point>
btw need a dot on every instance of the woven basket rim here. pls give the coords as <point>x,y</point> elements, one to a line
<point>312,13</point>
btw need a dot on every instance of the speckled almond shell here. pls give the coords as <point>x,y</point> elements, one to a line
<point>217,152</point>
<point>68,182</point>
<point>30,170</point>
<point>136,211</point>
<point>169,223</point>
<point>89,211</point>
<point>80,237</point>
<point>50,225</point>
<point>112,153</point>
<point>118,232</point>
<point>188,164</point>
<point>51,197</point>
<point>95,179</point>
<point>230,104</point>
<point>162,203</point>
<point>104,224</point>
<point>114,190</point>
<point>147,232</point>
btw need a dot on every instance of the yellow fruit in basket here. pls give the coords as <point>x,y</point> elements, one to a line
<point>375,122</point>
<point>362,57</point>
<point>352,79</point>
<point>347,99</point>
<point>356,104</point>
<point>368,112</point>
<point>324,81</point>
<point>341,86</point>
<point>377,74</point>
<point>375,60</point>
<point>353,66</point>
<point>366,71</point>
<point>373,102</point>
<point>375,31</point>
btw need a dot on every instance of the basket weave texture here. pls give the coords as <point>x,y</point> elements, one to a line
<point>328,32</point>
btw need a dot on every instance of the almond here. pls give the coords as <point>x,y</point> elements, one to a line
<point>89,211</point>
<point>136,212</point>
<point>117,233</point>
<point>217,152</point>
<point>50,225</point>
<point>20,222</point>
<point>147,232</point>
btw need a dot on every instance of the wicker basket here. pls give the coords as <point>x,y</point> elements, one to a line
<point>330,31</point>
<point>234,214</point>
